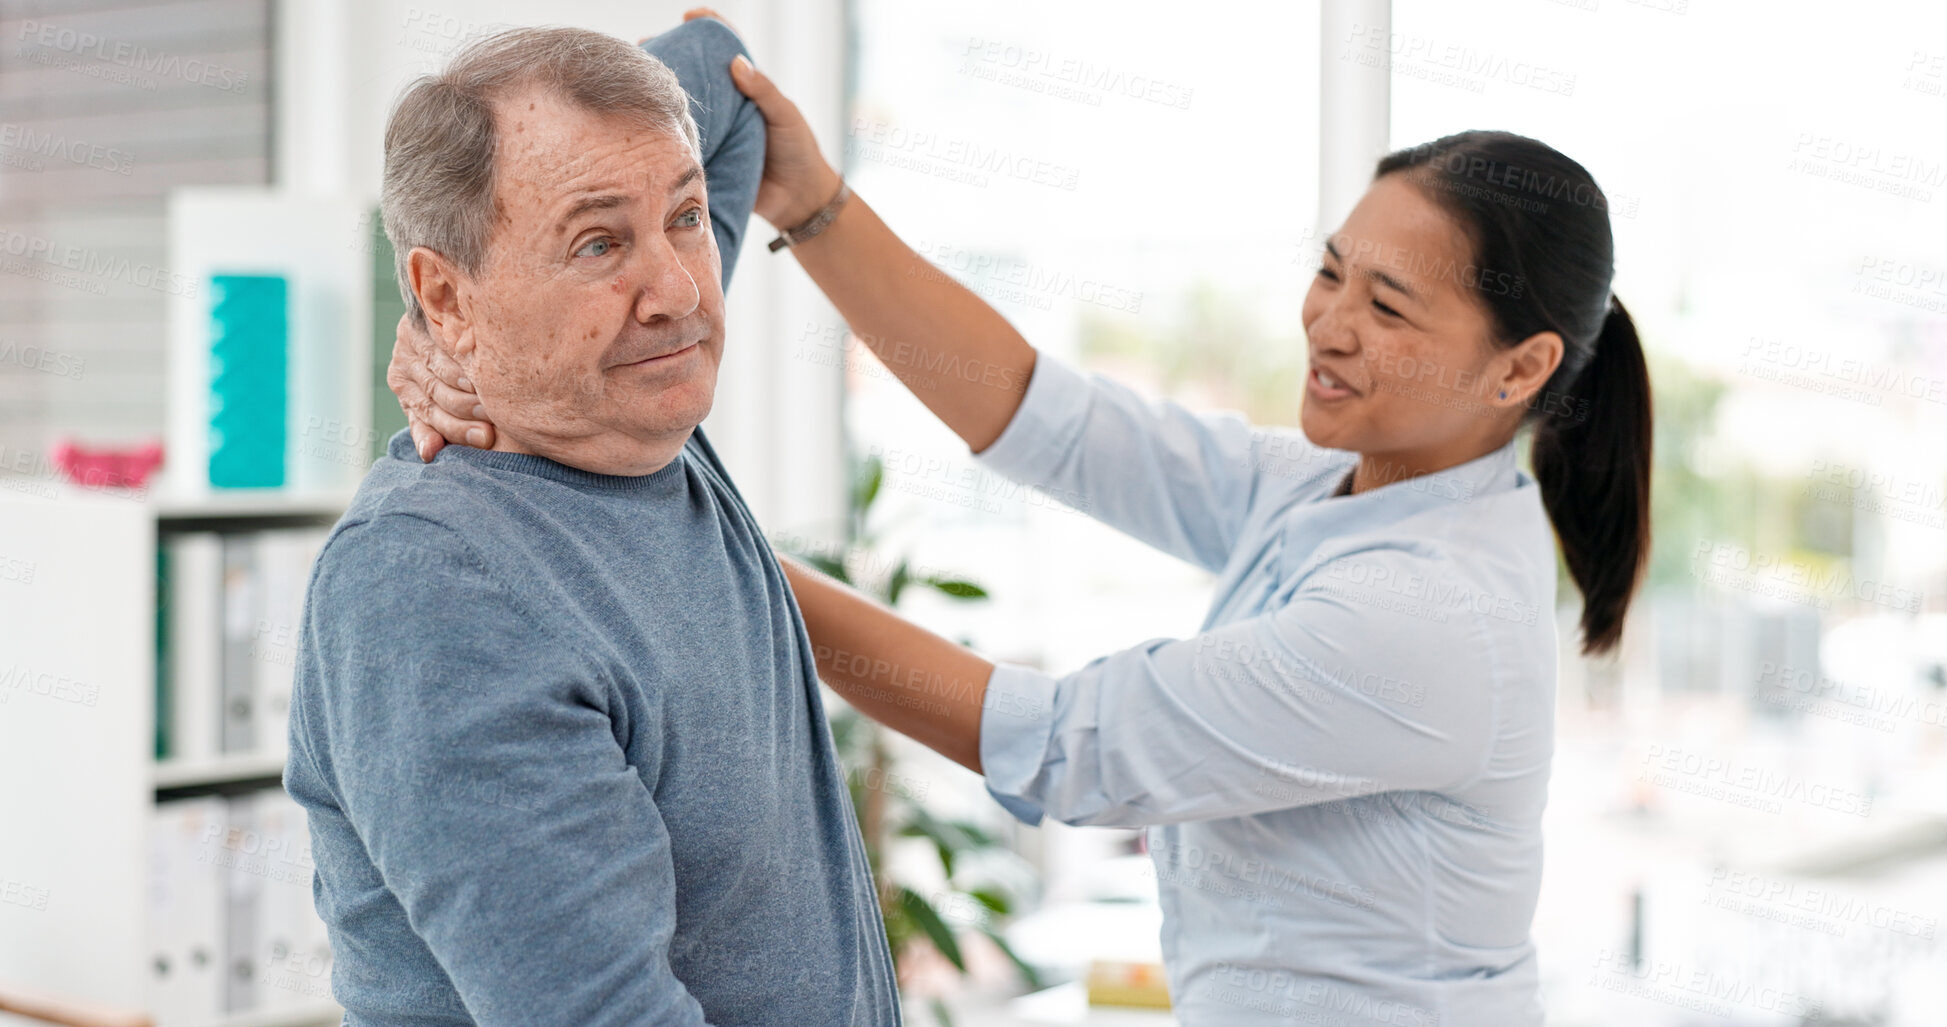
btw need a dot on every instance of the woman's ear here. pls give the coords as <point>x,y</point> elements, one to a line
<point>1525,369</point>
<point>437,284</point>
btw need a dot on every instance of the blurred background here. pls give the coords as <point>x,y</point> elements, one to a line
<point>1748,817</point>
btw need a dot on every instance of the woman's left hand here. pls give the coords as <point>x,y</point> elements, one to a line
<point>439,401</point>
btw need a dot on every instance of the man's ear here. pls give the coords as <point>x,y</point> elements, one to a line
<point>438,284</point>
<point>1525,369</point>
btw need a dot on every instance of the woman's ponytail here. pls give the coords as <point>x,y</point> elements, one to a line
<point>1592,459</point>
<point>1537,216</point>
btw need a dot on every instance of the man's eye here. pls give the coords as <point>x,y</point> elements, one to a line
<point>690,218</point>
<point>1328,274</point>
<point>589,249</point>
<point>1384,309</point>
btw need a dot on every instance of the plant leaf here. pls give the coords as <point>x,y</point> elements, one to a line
<point>902,575</point>
<point>958,589</point>
<point>1027,972</point>
<point>942,844</point>
<point>977,837</point>
<point>871,475</point>
<point>952,838</point>
<point>928,919</point>
<point>996,900</point>
<point>848,727</point>
<point>828,565</point>
<point>960,835</point>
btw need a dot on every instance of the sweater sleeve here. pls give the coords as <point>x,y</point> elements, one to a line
<point>482,766</point>
<point>699,51</point>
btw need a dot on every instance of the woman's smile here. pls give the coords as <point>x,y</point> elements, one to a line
<point>1324,386</point>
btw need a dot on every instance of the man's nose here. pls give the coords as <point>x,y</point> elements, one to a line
<point>668,289</point>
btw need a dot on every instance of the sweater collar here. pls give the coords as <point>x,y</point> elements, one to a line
<point>400,447</point>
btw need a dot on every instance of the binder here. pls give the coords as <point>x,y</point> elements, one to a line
<point>164,700</point>
<point>281,561</point>
<point>186,912</point>
<point>242,607</point>
<point>293,952</point>
<point>240,857</point>
<point>195,643</point>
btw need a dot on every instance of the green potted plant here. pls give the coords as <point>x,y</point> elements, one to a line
<point>971,903</point>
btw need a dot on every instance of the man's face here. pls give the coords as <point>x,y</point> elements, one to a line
<point>594,330</point>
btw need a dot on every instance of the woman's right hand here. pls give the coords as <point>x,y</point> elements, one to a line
<point>894,300</point>
<point>797,179</point>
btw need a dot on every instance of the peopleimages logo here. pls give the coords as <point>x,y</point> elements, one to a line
<point>1373,579</point>
<point>1743,784</point>
<point>91,268</point>
<point>42,359</point>
<point>1691,986</point>
<point>949,157</point>
<point>1793,581</point>
<point>74,151</point>
<point>1065,76</point>
<point>1444,63</point>
<point>1823,905</point>
<point>124,54</point>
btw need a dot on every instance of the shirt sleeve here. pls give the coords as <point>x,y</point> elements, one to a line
<point>730,125</point>
<point>1180,481</point>
<point>1352,688</point>
<point>482,766</point>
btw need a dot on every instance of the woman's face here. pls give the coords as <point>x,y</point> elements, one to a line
<point>1403,365</point>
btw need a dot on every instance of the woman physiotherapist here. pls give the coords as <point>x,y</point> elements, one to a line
<point>1343,772</point>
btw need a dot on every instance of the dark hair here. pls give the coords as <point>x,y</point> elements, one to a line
<point>1534,214</point>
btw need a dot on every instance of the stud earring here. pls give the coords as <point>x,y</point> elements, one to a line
<point>1504,394</point>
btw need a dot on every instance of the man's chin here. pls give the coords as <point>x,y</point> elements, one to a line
<point>622,447</point>
<point>664,409</point>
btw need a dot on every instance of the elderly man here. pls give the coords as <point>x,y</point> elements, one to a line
<point>556,719</point>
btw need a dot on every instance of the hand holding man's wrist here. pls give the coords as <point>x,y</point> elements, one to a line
<point>816,194</point>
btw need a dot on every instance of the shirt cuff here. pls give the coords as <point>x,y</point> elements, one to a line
<point>1016,720</point>
<point>1044,425</point>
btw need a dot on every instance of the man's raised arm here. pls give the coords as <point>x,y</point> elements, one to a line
<point>914,317</point>
<point>699,51</point>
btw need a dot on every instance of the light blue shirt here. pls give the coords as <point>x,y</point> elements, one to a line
<point>1343,773</point>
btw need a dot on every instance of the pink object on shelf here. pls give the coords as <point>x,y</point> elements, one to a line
<point>107,468</point>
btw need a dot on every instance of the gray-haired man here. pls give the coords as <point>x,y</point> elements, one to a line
<point>556,720</point>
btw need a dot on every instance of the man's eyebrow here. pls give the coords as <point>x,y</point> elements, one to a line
<point>603,201</point>
<point>609,201</point>
<point>695,172</point>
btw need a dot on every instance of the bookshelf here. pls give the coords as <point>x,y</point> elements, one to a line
<point>79,817</point>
